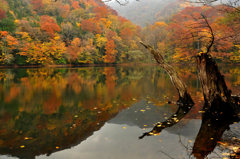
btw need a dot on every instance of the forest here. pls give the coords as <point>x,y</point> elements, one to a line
<point>75,32</point>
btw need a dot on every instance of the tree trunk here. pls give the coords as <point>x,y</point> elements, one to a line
<point>215,90</point>
<point>184,96</point>
<point>220,107</point>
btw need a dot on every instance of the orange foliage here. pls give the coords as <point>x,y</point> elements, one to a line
<point>3,34</point>
<point>64,10</point>
<point>74,50</point>
<point>2,14</point>
<point>110,34</point>
<point>37,5</point>
<point>126,34</point>
<point>49,25</point>
<point>91,26</point>
<point>110,52</point>
<point>75,4</point>
<point>101,12</point>
<point>11,41</point>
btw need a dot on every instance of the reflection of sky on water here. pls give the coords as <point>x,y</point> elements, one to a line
<point>114,141</point>
<point>118,138</point>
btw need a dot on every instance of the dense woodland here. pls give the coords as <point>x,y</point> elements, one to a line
<point>47,32</point>
<point>42,32</point>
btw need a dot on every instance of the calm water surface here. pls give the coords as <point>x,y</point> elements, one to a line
<point>99,112</point>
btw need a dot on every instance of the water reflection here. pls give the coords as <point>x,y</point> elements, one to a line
<point>43,111</point>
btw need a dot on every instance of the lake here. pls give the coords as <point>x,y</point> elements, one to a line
<point>100,112</point>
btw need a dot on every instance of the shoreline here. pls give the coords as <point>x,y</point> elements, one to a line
<point>96,65</point>
<point>73,66</point>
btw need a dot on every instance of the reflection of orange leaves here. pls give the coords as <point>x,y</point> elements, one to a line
<point>14,91</point>
<point>110,74</point>
<point>52,104</point>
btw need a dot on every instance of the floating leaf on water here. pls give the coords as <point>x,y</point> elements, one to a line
<point>211,138</point>
<point>22,146</point>
<point>235,149</point>
<point>27,138</point>
<point>144,125</point>
<point>133,99</point>
<point>189,141</point>
<point>124,127</point>
<point>142,110</point>
<point>57,147</point>
<point>201,111</point>
<point>225,154</point>
<point>75,116</point>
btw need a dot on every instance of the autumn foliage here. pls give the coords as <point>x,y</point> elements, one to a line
<point>188,33</point>
<point>48,24</point>
<point>42,32</point>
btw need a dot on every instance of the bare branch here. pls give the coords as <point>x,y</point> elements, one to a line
<point>211,32</point>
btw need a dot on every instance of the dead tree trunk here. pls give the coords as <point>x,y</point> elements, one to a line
<point>184,96</point>
<point>185,101</point>
<point>221,108</point>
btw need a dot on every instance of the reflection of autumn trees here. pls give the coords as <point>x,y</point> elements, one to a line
<point>63,106</point>
<point>59,104</point>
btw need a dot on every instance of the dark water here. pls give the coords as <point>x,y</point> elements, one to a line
<point>99,112</point>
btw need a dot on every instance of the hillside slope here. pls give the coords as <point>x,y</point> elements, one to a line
<point>42,32</point>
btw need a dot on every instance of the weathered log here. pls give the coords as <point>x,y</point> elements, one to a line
<point>184,96</point>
